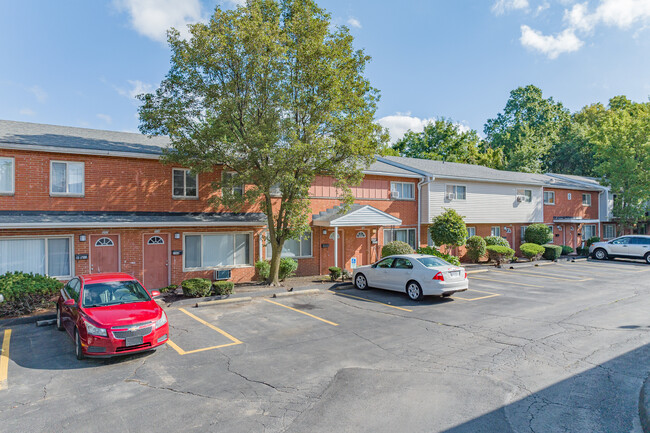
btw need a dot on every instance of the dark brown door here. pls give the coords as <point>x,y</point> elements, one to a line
<point>104,254</point>
<point>156,261</point>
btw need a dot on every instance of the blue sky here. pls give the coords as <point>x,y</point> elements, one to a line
<point>79,63</point>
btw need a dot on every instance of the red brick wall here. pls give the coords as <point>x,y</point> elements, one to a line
<point>573,208</point>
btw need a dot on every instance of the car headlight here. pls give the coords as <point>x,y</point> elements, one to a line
<point>160,322</point>
<point>94,330</point>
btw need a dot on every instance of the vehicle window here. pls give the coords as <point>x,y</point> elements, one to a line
<point>621,241</point>
<point>386,263</point>
<point>433,262</point>
<point>113,293</point>
<point>73,289</point>
<point>402,263</point>
<point>641,241</point>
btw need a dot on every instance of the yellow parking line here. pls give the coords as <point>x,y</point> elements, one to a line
<point>506,282</point>
<point>211,326</point>
<point>4,359</point>
<point>516,271</point>
<point>370,300</point>
<point>490,295</point>
<point>302,312</point>
<point>615,266</point>
<point>180,351</point>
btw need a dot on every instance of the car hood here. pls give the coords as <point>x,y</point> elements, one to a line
<point>360,268</point>
<point>124,314</point>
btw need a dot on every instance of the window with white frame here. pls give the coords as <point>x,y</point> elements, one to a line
<point>588,231</point>
<point>402,190</point>
<point>205,251</point>
<point>568,196</point>
<point>275,190</point>
<point>237,190</point>
<point>295,248</point>
<point>7,175</point>
<point>495,231</point>
<point>185,183</point>
<point>67,178</point>
<point>549,197</point>
<point>456,192</point>
<point>525,194</point>
<point>550,227</point>
<point>586,199</point>
<point>404,235</point>
<point>46,256</point>
<point>523,234</point>
<point>610,231</point>
<point>471,231</point>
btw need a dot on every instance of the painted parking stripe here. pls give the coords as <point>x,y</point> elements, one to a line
<point>490,295</point>
<point>371,300</point>
<point>613,266</point>
<point>516,271</point>
<point>302,312</point>
<point>473,277</point>
<point>180,351</point>
<point>4,360</point>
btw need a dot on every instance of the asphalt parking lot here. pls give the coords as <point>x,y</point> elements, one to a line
<point>563,347</point>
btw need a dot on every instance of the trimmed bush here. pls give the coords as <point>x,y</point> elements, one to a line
<point>539,234</point>
<point>592,240</point>
<point>553,252</point>
<point>566,250</point>
<point>197,287</point>
<point>288,268</point>
<point>335,273</point>
<point>24,293</point>
<point>223,287</point>
<point>448,229</point>
<point>496,240</point>
<point>169,288</point>
<point>263,269</point>
<point>499,254</point>
<point>582,251</point>
<point>475,248</point>
<point>434,252</point>
<point>532,251</point>
<point>396,247</point>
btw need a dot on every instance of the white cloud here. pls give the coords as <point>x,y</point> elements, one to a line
<point>40,94</point>
<point>353,22</point>
<point>552,46</point>
<point>503,6</point>
<point>27,112</point>
<point>105,117</point>
<point>137,87</point>
<point>400,123</point>
<point>152,18</point>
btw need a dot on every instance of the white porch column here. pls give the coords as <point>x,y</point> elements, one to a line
<point>336,246</point>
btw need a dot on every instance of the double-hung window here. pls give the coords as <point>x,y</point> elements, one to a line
<point>549,197</point>
<point>6,176</point>
<point>550,227</point>
<point>185,183</point>
<point>471,231</point>
<point>46,256</point>
<point>404,235</point>
<point>295,248</point>
<point>586,199</point>
<point>456,192</point>
<point>402,190</point>
<point>495,231</point>
<point>588,231</point>
<point>525,194</point>
<point>237,190</point>
<point>523,234</point>
<point>610,231</point>
<point>206,251</point>
<point>67,178</point>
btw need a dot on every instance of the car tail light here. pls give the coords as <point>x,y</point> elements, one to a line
<point>439,277</point>
<point>465,275</point>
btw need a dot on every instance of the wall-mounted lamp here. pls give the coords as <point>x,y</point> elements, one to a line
<point>324,231</point>
<point>82,238</point>
<point>177,235</point>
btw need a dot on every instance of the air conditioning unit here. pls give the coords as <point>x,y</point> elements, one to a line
<point>394,194</point>
<point>521,198</point>
<point>222,274</point>
<point>451,196</point>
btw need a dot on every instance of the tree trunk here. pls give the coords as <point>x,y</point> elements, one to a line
<point>274,274</point>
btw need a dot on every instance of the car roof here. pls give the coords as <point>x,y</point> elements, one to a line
<point>410,256</point>
<point>105,277</point>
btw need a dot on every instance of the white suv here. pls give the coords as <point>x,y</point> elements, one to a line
<point>632,246</point>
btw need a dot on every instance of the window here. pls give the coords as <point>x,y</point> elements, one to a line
<point>185,184</point>
<point>586,199</point>
<point>622,241</point>
<point>404,235</point>
<point>294,247</point>
<point>525,194</point>
<point>471,231</point>
<point>67,178</point>
<point>549,197</point>
<point>642,229</point>
<point>401,263</point>
<point>550,227</point>
<point>402,190</point>
<point>155,240</point>
<point>523,234</point>
<point>45,256</point>
<point>72,289</point>
<point>237,190</point>
<point>6,175</point>
<point>610,231</point>
<point>386,263</point>
<point>495,231</point>
<point>217,250</point>
<point>640,241</point>
<point>104,242</point>
<point>568,196</point>
<point>588,231</point>
<point>275,190</point>
<point>456,192</point>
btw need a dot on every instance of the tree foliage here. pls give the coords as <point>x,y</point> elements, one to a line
<point>448,229</point>
<point>275,95</point>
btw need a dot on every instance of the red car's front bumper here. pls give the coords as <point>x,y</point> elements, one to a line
<point>101,347</point>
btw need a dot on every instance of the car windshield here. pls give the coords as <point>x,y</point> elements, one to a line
<point>113,293</point>
<point>433,262</point>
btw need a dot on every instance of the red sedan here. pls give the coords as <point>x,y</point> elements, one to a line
<point>110,314</point>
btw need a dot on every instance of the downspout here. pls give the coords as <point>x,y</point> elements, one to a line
<point>423,182</point>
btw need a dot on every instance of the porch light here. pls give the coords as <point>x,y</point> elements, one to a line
<point>82,238</point>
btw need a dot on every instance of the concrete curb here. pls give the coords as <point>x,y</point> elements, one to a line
<point>301,292</point>
<point>644,405</point>
<point>223,301</point>
<point>5,323</point>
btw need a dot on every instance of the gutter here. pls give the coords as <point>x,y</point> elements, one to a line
<point>170,224</point>
<point>422,183</point>
<point>79,151</point>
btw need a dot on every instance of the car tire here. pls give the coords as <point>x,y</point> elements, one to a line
<point>78,351</point>
<point>647,258</point>
<point>414,291</point>
<point>361,282</point>
<point>59,324</point>
<point>601,254</point>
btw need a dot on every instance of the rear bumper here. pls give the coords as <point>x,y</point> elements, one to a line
<point>105,347</point>
<point>445,287</point>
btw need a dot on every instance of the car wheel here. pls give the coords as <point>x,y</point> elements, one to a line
<point>78,351</point>
<point>600,254</point>
<point>414,291</point>
<point>647,258</point>
<point>59,325</point>
<point>360,282</point>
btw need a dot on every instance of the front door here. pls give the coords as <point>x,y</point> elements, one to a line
<point>358,248</point>
<point>156,261</point>
<point>104,254</point>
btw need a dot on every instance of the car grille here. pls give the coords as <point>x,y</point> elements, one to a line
<point>138,332</point>
<point>125,348</point>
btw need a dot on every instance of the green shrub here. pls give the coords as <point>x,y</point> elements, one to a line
<point>448,228</point>
<point>169,288</point>
<point>197,287</point>
<point>335,273</point>
<point>25,293</point>
<point>223,287</point>
<point>288,268</point>
<point>553,252</point>
<point>566,250</point>
<point>475,248</point>
<point>431,251</point>
<point>532,251</point>
<point>498,253</point>
<point>592,240</point>
<point>582,251</point>
<point>496,240</point>
<point>396,247</point>
<point>539,234</point>
<point>263,269</point>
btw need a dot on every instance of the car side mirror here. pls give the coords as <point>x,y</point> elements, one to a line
<point>70,303</point>
<point>155,293</point>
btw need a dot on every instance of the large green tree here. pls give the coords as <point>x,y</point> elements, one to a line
<point>274,94</point>
<point>527,129</point>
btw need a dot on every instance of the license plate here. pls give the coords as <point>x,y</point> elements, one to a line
<point>455,273</point>
<point>133,341</point>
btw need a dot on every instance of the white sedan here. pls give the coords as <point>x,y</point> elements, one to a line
<point>416,274</point>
